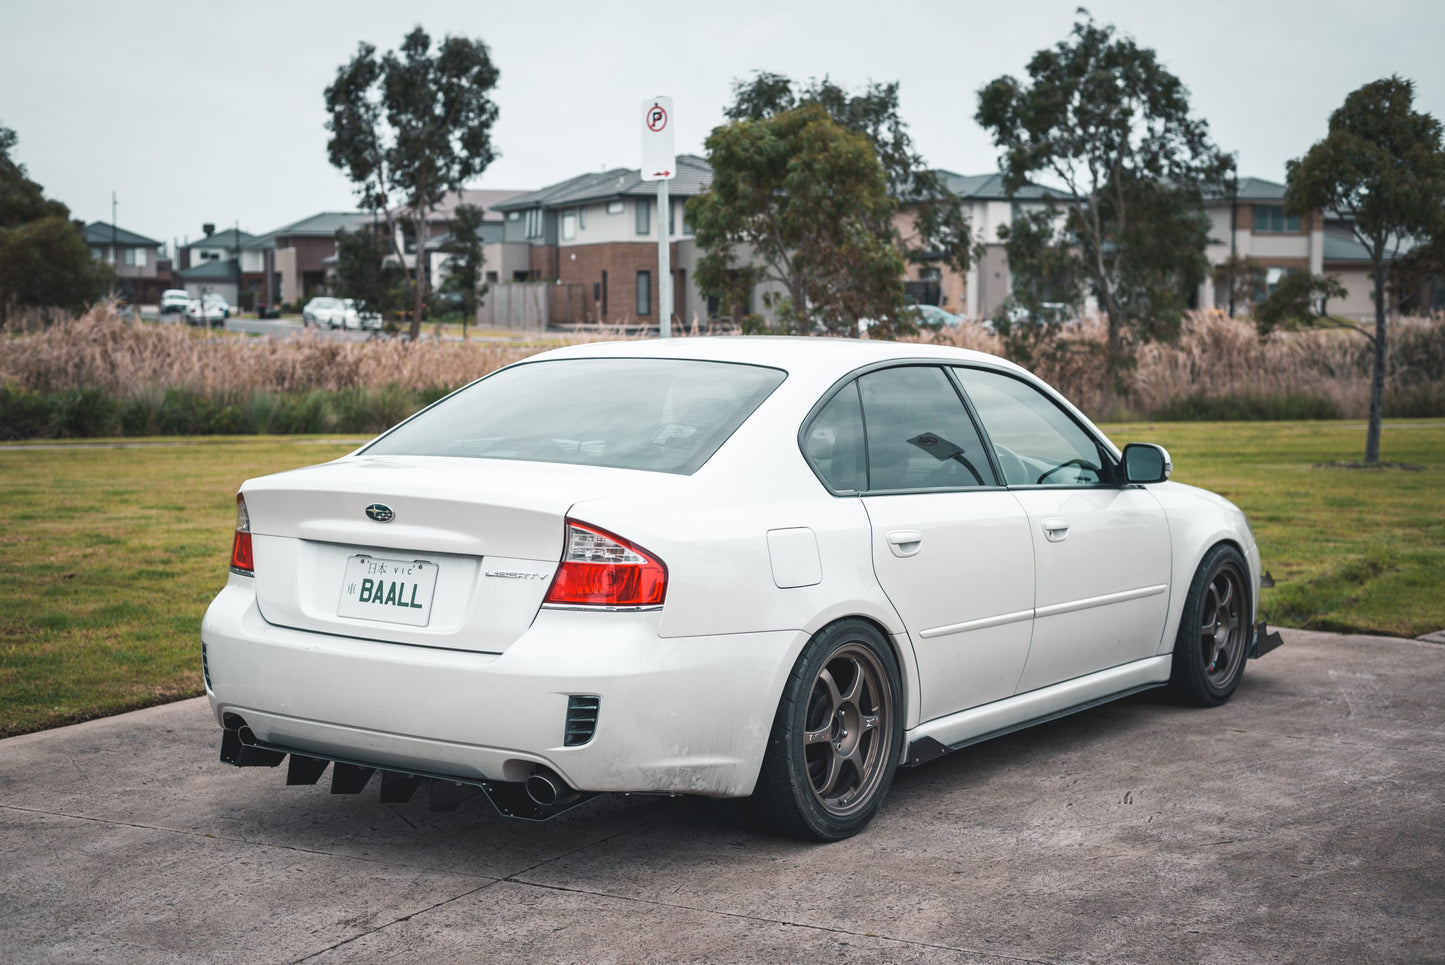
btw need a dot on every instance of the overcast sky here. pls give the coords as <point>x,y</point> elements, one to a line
<point>198,112</point>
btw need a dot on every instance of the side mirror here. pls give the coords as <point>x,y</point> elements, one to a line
<point>1146,463</point>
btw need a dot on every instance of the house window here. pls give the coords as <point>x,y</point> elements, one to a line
<point>671,218</point>
<point>128,257</point>
<point>514,216</point>
<point>534,223</point>
<point>97,252</point>
<point>1271,218</point>
<point>686,222</point>
<point>581,219</point>
<point>569,225</point>
<point>1272,278</point>
<point>644,293</point>
<point>604,290</point>
<point>491,278</point>
<point>644,217</point>
<point>614,207</point>
<point>140,257</point>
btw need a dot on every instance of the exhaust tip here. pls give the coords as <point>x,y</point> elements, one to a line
<point>545,788</point>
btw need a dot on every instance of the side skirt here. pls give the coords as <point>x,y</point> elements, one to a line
<point>937,737</point>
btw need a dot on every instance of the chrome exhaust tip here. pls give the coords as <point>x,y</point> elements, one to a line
<point>545,788</point>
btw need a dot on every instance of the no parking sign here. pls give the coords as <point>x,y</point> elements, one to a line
<point>659,158</point>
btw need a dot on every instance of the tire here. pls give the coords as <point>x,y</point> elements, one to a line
<point>836,737</point>
<point>1213,642</point>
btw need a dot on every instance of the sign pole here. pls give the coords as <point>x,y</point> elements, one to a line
<point>659,163</point>
<point>664,260</point>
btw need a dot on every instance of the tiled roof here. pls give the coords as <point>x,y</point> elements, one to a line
<point>323,225</point>
<point>1252,189</point>
<point>223,239</point>
<point>989,187</point>
<point>99,233</point>
<point>693,174</point>
<point>210,271</point>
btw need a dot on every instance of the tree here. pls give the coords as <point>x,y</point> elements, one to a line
<point>1382,167</point>
<point>364,272</point>
<point>1104,119</point>
<point>1245,278</point>
<point>467,260</point>
<point>44,260</point>
<point>940,228</point>
<point>408,128</point>
<point>805,197</point>
<point>1292,303</point>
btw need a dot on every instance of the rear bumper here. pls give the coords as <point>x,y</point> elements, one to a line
<point>683,715</point>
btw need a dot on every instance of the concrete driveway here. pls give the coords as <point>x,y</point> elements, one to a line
<point>1304,821</point>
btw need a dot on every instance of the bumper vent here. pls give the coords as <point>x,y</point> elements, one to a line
<point>581,719</point>
<point>205,668</point>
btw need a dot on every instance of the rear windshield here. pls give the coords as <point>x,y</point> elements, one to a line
<point>666,415</point>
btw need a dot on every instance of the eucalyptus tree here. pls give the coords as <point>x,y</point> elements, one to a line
<point>408,127</point>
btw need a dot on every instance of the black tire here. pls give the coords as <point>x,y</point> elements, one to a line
<point>836,737</point>
<point>1213,641</point>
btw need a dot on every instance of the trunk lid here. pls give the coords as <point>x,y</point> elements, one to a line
<point>462,562</point>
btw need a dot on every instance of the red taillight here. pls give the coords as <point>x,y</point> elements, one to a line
<point>241,561</point>
<point>602,569</point>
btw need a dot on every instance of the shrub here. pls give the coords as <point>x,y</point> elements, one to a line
<point>1249,408</point>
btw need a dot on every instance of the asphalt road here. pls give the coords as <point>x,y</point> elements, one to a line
<point>1303,822</point>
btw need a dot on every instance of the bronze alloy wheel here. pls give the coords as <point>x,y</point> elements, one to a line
<point>836,737</point>
<point>1223,625</point>
<point>1213,640</point>
<point>850,715</point>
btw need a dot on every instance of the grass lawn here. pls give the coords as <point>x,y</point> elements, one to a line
<point>1350,549</point>
<point>109,556</point>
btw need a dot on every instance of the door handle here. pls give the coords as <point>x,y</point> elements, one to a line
<point>1056,530</point>
<point>905,542</point>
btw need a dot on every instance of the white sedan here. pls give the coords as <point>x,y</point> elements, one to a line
<point>339,313</point>
<point>767,568</point>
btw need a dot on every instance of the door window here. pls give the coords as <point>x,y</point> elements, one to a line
<point>919,434</point>
<point>1036,442</point>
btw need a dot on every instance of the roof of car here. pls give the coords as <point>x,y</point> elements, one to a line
<point>794,353</point>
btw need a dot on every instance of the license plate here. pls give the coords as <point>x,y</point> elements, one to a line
<point>392,591</point>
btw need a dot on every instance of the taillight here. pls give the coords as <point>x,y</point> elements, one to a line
<point>241,561</point>
<point>602,569</point>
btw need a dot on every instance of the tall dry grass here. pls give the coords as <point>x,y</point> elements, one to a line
<point>1216,360</point>
<point>1222,358</point>
<point>101,350</point>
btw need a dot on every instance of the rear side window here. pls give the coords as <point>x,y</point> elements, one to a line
<point>666,415</point>
<point>833,443</point>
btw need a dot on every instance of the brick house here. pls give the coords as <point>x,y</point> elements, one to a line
<point>141,271</point>
<point>599,231</point>
<point>292,263</point>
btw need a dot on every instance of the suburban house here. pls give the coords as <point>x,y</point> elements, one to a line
<point>439,244</point>
<point>981,291</point>
<point>597,235</point>
<point>292,263</point>
<point>214,265</point>
<point>141,271</point>
<point>1252,223</point>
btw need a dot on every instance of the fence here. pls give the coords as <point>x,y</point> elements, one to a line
<point>534,305</point>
